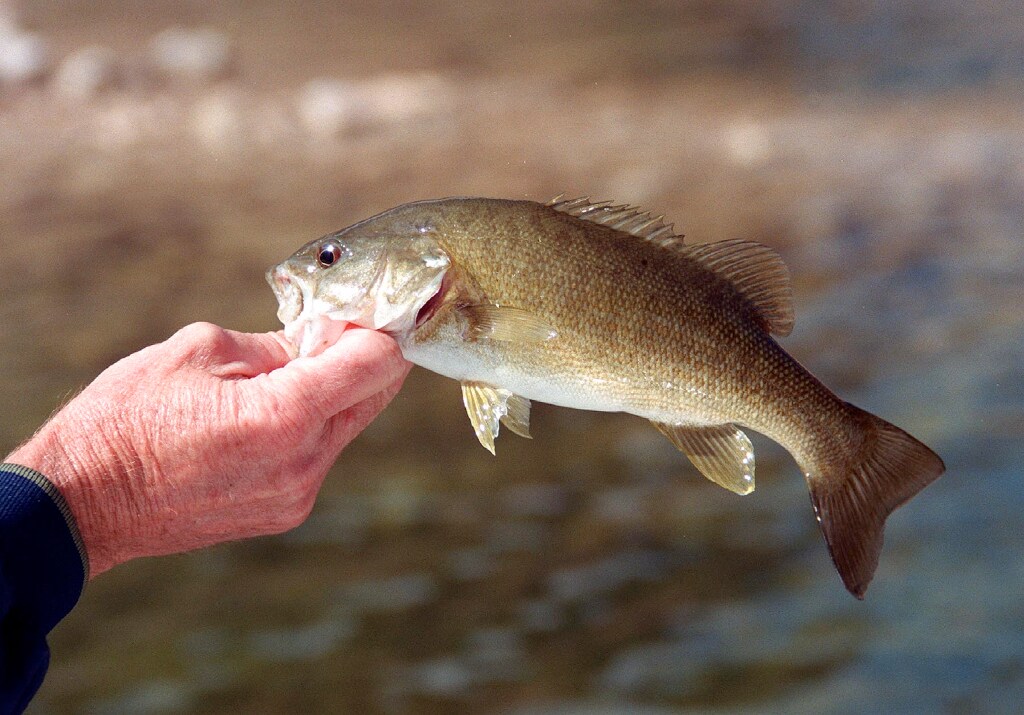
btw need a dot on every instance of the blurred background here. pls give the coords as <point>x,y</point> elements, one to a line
<point>157,156</point>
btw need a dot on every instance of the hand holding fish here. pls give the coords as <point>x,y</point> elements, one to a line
<point>210,436</point>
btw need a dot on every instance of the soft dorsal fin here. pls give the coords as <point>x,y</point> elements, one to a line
<point>756,271</point>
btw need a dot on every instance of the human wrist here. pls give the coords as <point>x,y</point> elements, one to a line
<point>82,471</point>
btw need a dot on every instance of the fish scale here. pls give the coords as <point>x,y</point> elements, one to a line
<point>590,305</point>
<point>586,297</point>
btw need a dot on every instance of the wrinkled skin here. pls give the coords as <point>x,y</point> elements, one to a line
<point>210,436</point>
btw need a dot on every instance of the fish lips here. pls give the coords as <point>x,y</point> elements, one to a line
<point>289,294</point>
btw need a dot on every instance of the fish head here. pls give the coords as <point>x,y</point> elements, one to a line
<point>376,274</point>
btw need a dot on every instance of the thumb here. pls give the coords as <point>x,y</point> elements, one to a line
<point>359,365</point>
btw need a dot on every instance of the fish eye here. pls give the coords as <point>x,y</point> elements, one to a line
<point>329,254</point>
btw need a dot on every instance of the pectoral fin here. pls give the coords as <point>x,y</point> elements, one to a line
<point>722,453</point>
<point>496,322</point>
<point>487,406</point>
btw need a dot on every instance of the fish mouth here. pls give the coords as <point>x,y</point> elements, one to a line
<point>289,294</point>
<point>308,333</point>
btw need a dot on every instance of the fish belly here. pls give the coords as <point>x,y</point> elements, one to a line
<point>487,363</point>
<point>481,362</point>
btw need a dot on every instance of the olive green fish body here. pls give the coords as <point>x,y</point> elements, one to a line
<point>600,307</point>
<point>641,328</point>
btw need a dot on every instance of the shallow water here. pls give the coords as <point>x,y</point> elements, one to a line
<point>589,569</point>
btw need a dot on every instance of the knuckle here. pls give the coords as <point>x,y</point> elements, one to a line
<point>275,483</point>
<point>294,511</point>
<point>199,333</point>
<point>297,478</point>
<point>304,506</point>
<point>199,342</point>
<point>277,524</point>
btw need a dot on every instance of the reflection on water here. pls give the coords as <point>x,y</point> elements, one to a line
<point>589,569</point>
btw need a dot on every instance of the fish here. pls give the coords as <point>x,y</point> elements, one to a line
<point>593,305</point>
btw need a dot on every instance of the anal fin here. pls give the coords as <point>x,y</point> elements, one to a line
<point>489,406</point>
<point>722,453</point>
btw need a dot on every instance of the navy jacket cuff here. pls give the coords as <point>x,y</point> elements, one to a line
<point>41,550</point>
<point>43,568</point>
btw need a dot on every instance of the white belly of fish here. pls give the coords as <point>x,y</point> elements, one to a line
<point>478,365</point>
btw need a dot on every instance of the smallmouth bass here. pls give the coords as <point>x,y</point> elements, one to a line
<point>602,307</point>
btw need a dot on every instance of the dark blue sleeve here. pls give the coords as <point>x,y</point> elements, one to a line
<point>42,571</point>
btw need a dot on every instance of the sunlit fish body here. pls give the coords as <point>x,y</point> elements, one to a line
<point>601,307</point>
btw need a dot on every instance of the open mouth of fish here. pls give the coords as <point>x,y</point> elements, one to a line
<point>309,331</point>
<point>289,295</point>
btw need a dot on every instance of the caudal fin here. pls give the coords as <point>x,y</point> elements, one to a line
<point>852,501</point>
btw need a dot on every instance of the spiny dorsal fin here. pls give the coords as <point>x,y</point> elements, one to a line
<point>621,217</point>
<point>756,271</point>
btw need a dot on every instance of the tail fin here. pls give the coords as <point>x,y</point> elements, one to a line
<point>852,502</point>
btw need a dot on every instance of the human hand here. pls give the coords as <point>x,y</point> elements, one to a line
<point>210,436</point>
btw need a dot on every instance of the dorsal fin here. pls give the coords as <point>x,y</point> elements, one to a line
<point>621,217</point>
<point>756,271</point>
